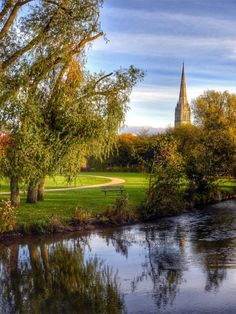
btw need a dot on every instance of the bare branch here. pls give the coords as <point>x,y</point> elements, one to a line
<point>87,40</point>
<point>102,78</point>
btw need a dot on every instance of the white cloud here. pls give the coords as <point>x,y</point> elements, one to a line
<point>163,45</point>
<point>157,95</point>
<point>153,94</point>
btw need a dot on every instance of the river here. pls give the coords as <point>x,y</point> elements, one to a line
<point>184,264</point>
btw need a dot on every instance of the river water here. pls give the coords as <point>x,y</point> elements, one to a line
<point>184,264</point>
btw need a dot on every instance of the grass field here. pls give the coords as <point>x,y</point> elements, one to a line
<point>63,203</point>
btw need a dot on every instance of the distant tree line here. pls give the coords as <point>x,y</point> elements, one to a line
<point>131,153</point>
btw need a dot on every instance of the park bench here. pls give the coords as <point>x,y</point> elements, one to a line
<point>117,189</point>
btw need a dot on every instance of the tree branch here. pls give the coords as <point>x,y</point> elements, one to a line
<point>32,43</point>
<point>11,18</point>
<point>87,40</point>
<point>6,8</point>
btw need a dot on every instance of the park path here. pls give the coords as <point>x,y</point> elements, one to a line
<point>113,181</point>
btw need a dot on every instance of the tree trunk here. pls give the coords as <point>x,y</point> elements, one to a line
<point>15,192</point>
<point>46,264</point>
<point>32,192</point>
<point>41,185</point>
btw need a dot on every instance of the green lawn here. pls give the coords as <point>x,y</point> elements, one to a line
<point>63,203</point>
<point>227,184</point>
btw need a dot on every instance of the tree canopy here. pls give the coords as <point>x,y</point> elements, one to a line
<point>55,111</point>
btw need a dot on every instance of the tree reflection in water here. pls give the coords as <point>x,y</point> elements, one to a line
<point>215,246</point>
<point>165,263</point>
<point>55,278</point>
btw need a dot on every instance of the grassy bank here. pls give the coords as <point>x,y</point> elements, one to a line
<point>63,203</point>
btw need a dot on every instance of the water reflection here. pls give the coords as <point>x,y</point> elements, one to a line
<point>165,263</point>
<point>178,265</point>
<point>55,278</point>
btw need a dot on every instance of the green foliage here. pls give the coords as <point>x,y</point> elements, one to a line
<point>215,114</point>
<point>208,148</point>
<point>131,153</point>
<point>55,111</point>
<point>7,216</point>
<point>145,150</point>
<point>165,195</point>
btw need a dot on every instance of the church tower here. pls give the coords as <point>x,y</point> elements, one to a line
<point>182,110</point>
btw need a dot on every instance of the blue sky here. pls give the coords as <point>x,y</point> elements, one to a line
<point>157,36</point>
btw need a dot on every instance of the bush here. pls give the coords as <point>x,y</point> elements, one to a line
<point>7,216</point>
<point>119,213</point>
<point>55,224</point>
<point>82,215</point>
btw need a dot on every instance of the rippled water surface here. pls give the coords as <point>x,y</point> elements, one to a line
<point>185,264</point>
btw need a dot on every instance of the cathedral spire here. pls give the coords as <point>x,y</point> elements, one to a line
<point>182,110</point>
<point>183,92</point>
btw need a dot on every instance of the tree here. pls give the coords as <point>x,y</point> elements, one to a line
<point>145,148</point>
<point>35,51</point>
<point>208,147</point>
<point>121,156</point>
<point>165,195</point>
<point>214,155</point>
<point>52,108</point>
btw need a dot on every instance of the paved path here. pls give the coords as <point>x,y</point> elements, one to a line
<point>113,181</point>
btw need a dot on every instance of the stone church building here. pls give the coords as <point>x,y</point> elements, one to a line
<point>182,110</point>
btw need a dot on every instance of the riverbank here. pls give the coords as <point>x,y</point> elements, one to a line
<point>98,222</point>
<point>77,209</point>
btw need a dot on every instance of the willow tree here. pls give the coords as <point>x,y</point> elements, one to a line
<point>51,107</point>
<point>82,120</point>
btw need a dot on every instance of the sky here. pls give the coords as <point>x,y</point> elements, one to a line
<point>157,36</point>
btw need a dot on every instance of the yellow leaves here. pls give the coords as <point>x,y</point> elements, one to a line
<point>74,75</point>
<point>7,217</point>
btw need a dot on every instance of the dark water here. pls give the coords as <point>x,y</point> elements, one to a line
<point>185,264</point>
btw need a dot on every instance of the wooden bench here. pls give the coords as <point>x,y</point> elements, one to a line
<point>117,189</point>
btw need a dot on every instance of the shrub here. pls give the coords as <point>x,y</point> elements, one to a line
<point>55,224</point>
<point>82,215</point>
<point>119,213</point>
<point>7,216</point>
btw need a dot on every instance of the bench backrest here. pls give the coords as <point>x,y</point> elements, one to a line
<point>120,187</point>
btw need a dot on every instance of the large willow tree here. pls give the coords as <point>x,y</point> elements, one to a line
<point>54,111</point>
